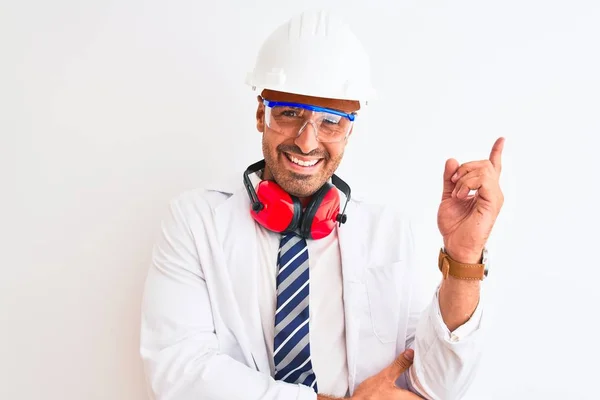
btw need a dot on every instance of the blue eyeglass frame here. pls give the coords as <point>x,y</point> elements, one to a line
<point>268,103</point>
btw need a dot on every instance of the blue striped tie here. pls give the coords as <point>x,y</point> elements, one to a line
<point>292,347</point>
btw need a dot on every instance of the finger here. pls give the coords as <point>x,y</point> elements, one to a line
<point>401,363</point>
<point>472,181</point>
<point>496,154</point>
<point>449,170</point>
<point>465,168</point>
<point>482,181</point>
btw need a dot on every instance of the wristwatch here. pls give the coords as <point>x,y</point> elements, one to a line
<point>448,266</point>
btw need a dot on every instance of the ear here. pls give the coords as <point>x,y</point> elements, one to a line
<point>260,115</point>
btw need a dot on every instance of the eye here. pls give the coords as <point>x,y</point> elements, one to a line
<point>289,113</point>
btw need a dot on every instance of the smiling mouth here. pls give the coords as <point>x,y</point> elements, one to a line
<point>302,163</point>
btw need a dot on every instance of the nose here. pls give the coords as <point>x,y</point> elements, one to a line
<point>307,138</point>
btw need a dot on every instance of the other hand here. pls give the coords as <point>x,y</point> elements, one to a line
<point>383,385</point>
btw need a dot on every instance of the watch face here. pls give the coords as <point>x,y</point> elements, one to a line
<point>485,262</point>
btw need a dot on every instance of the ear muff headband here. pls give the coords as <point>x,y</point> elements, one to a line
<point>312,208</point>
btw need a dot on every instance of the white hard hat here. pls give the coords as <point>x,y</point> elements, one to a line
<point>314,54</point>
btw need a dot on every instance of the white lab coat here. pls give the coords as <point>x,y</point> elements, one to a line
<point>201,335</point>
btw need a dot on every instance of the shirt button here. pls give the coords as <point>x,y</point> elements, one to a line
<point>453,338</point>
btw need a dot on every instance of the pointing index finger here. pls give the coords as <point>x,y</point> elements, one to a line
<point>496,154</point>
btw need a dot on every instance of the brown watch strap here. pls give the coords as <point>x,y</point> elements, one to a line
<point>459,270</point>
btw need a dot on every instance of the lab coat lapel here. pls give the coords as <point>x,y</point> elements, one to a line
<point>237,233</point>
<point>353,257</point>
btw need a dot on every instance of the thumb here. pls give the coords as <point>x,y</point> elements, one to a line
<point>449,170</point>
<point>401,363</point>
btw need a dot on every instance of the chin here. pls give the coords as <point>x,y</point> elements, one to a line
<point>300,185</point>
<point>297,183</point>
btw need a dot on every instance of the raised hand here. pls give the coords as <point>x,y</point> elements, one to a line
<point>465,220</point>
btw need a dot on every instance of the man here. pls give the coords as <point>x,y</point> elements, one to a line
<point>284,286</point>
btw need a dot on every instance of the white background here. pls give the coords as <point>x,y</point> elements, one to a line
<point>110,108</point>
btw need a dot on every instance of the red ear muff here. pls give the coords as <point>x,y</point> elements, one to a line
<point>321,214</point>
<point>280,212</point>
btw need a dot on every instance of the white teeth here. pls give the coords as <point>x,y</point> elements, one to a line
<point>303,163</point>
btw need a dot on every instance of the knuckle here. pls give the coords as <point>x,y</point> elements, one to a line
<point>487,173</point>
<point>405,362</point>
<point>400,362</point>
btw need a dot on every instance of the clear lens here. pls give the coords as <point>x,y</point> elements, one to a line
<point>289,121</point>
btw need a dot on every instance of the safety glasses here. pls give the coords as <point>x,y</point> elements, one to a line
<point>290,119</point>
